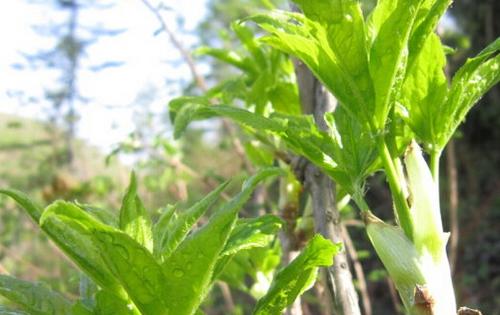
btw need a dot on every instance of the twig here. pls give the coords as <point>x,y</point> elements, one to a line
<point>226,295</point>
<point>317,101</point>
<point>394,295</point>
<point>296,307</point>
<point>177,164</point>
<point>353,222</point>
<point>358,269</point>
<point>200,82</point>
<point>451,166</point>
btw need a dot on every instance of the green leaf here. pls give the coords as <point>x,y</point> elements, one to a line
<point>103,215</point>
<point>354,149</point>
<point>298,276</point>
<point>258,264</point>
<point>33,209</point>
<point>35,298</point>
<point>390,24</point>
<point>257,95</point>
<point>134,219</point>
<point>109,304</point>
<point>129,262</point>
<point>247,37</point>
<point>227,56</point>
<point>258,154</point>
<point>398,254</point>
<point>160,229</point>
<point>430,13</point>
<point>192,110</point>
<point>250,233</point>
<point>79,308</point>
<point>344,27</point>
<point>189,270</point>
<point>7,311</point>
<point>77,244</point>
<point>180,226</point>
<point>424,91</point>
<point>334,50</point>
<point>469,84</point>
<point>300,133</point>
<point>285,98</point>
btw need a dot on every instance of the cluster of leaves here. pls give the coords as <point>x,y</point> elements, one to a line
<point>386,68</point>
<point>163,268</point>
<point>378,80</point>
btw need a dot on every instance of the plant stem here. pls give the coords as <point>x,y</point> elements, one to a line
<point>360,202</point>
<point>434,161</point>
<point>327,223</point>
<point>316,100</point>
<point>401,205</point>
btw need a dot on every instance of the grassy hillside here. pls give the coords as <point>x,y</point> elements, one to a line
<point>27,163</point>
<point>28,156</point>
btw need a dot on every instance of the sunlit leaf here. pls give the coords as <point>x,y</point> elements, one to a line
<point>424,91</point>
<point>131,264</point>
<point>160,229</point>
<point>249,233</point>
<point>391,26</point>
<point>34,298</point>
<point>109,304</point>
<point>103,215</point>
<point>179,226</point>
<point>134,219</point>
<point>335,53</point>
<point>469,84</point>
<point>189,270</point>
<point>297,277</point>
<point>34,210</point>
<point>76,242</point>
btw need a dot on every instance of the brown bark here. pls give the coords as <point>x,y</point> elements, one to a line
<point>358,269</point>
<point>317,101</point>
<point>453,199</point>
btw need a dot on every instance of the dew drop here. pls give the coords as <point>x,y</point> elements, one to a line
<point>348,17</point>
<point>178,273</point>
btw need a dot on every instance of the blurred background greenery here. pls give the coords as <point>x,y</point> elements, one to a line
<point>48,159</point>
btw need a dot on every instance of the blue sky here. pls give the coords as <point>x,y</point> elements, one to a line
<point>113,93</point>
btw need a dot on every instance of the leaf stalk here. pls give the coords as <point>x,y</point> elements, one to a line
<point>400,203</point>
